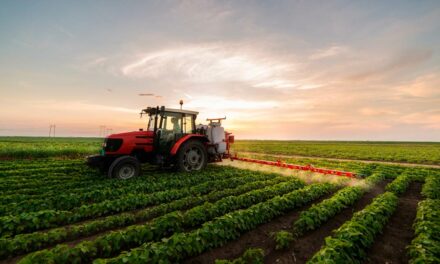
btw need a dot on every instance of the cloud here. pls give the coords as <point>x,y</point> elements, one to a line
<point>400,62</point>
<point>79,105</point>
<point>331,51</point>
<point>227,104</point>
<point>428,119</point>
<point>206,11</point>
<point>212,63</point>
<point>369,111</point>
<point>425,86</point>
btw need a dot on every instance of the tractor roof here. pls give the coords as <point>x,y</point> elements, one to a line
<point>181,111</point>
<point>153,110</point>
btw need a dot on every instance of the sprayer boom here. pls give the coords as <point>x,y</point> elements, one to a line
<point>309,167</point>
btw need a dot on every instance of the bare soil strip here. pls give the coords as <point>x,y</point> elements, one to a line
<point>305,247</point>
<point>406,164</point>
<point>258,237</point>
<point>389,247</point>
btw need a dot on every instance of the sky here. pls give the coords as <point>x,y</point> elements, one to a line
<point>312,70</point>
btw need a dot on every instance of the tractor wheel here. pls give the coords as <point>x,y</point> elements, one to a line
<point>192,156</point>
<point>124,168</point>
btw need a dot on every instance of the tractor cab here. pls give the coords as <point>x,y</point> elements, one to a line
<point>169,125</point>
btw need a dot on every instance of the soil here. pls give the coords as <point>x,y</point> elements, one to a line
<point>305,247</point>
<point>398,233</point>
<point>259,237</point>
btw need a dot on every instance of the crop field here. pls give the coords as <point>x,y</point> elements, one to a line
<point>54,209</point>
<point>407,152</point>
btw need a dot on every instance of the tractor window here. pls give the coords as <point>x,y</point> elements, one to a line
<point>150,123</point>
<point>172,122</point>
<point>188,125</point>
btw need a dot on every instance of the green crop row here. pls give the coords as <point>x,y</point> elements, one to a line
<point>250,256</point>
<point>375,178</point>
<point>91,181</point>
<point>349,242</point>
<point>11,175</point>
<point>58,180</point>
<point>29,222</point>
<point>318,214</point>
<point>431,188</point>
<point>425,247</point>
<point>424,153</point>
<point>62,201</point>
<point>22,147</point>
<point>22,166</point>
<point>113,242</point>
<point>390,171</point>
<point>67,185</point>
<point>100,183</point>
<point>25,243</point>
<point>313,217</point>
<point>400,184</point>
<point>220,230</point>
<point>420,174</point>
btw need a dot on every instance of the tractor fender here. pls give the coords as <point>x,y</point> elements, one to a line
<point>184,139</point>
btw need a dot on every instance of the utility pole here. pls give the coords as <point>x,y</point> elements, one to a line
<point>53,126</point>
<point>102,131</point>
<point>108,131</point>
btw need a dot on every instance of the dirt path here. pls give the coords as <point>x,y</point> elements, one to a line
<point>397,234</point>
<point>305,247</point>
<point>406,164</point>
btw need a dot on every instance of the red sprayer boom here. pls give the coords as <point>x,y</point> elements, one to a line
<point>297,167</point>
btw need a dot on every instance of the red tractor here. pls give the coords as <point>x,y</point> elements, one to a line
<point>171,140</point>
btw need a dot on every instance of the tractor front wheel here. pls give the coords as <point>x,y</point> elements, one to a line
<point>192,156</point>
<point>124,168</point>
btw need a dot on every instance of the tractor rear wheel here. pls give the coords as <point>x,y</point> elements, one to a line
<point>192,156</point>
<point>124,168</point>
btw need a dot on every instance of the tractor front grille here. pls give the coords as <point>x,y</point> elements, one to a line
<point>112,144</point>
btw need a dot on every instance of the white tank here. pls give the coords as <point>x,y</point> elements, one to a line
<point>216,135</point>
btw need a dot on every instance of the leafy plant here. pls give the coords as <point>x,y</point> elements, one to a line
<point>431,188</point>
<point>30,242</point>
<point>399,185</point>
<point>282,239</point>
<point>350,241</point>
<point>114,242</point>
<point>425,247</point>
<point>250,256</point>
<point>220,230</point>
<point>317,214</point>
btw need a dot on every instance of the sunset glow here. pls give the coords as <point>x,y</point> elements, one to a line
<point>277,70</point>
